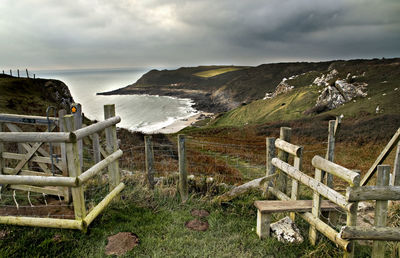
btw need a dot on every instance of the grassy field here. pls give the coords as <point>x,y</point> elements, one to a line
<point>158,219</point>
<point>215,72</point>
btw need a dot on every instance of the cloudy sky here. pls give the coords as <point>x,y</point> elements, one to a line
<point>58,34</point>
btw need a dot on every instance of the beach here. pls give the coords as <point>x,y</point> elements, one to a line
<point>182,123</point>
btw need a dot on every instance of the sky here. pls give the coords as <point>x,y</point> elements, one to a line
<point>58,34</point>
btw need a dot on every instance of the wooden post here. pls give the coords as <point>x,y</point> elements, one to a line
<point>183,184</point>
<point>10,72</point>
<point>148,146</point>
<point>381,207</point>
<point>295,183</point>
<point>281,182</point>
<point>27,74</point>
<point>96,148</point>
<point>74,170</point>
<point>18,72</point>
<point>351,219</point>
<point>396,168</point>
<point>330,153</point>
<point>270,169</point>
<point>112,146</point>
<point>270,155</point>
<point>78,125</point>
<point>1,153</point>
<point>63,152</point>
<point>34,76</point>
<point>316,208</point>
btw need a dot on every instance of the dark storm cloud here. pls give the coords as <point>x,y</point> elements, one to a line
<point>101,33</point>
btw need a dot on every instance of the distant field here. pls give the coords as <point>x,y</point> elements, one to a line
<point>214,72</point>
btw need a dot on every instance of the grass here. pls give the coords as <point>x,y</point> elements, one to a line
<point>158,220</point>
<point>215,72</point>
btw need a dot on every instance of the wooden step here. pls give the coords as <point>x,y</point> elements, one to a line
<point>272,206</point>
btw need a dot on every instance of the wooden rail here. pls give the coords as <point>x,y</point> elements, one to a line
<point>346,174</point>
<point>95,128</point>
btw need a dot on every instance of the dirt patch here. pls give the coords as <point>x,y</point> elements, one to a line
<point>121,243</point>
<point>197,225</point>
<point>199,213</point>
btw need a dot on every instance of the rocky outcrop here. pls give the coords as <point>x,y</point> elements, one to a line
<point>324,80</point>
<point>282,87</point>
<point>342,92</point>
<point>57,92</point>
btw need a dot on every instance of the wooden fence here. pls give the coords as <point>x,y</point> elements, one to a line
<point>69,181</point>
<point>382,192</point>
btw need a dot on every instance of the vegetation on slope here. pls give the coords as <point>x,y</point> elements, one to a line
<point>215,72</point>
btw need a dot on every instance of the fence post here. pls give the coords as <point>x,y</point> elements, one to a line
<point>64,164</point>
<point>18,72</point>
<point>316,208</point>
<point>112,146</point>
<point>295,184</point>
<point>183,184</point>
<point>330,153</point>
<point>74,170</point>
<point>1,153</point>
<point>281,182</point>
<point>10,72</point>
<point>351,220</point>
<point>396,167</point>
<point>78,125</point>
<point>270,142</point>
<point>27,74</point>
<point>148,146</point>
<point>378,247</point>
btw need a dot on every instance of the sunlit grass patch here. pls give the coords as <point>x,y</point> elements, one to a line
<point>215,72</point>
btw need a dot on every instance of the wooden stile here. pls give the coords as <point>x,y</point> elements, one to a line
<point>396,168</point>
<point>353,178</point>
<point>295,183</point>
<point>379,193</point>
<point>281,182</point>
<point>316,208</point>
<point>370,233</point>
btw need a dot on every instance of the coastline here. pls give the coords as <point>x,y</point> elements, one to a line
<point>182,123</point>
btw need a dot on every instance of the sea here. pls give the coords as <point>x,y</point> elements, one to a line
<point>144,113</point>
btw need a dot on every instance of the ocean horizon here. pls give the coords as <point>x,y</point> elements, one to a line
<point>143,113</point>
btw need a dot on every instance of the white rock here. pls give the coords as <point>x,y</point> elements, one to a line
<point>286,231</point>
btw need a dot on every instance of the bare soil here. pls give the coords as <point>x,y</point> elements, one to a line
<point>200,213</point>
<point>197,225</point>
<point>121,243</point>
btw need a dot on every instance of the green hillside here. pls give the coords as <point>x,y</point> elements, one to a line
<point>383,89</point>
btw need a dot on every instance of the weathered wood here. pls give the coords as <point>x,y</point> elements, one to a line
<point>270,142</point>
<point>244,188</point>
<point>112,146</point>
<point>1,152</point>
<point>103,204</point>
<point>351,219</point>
<point>183,184</point>
<point>281,182</point>
<point>96,148</point>
<point>381,209</point>
<point>36,189</point>
<point>295,184</point>
<point>26,172</point>
<point>263,224</point>
<point>24,119</point>
<point>316,208</point>
<point>98,167</point>
<point>38,180</point>
<point>273,206</point>
<point>321,226</point>
<point>312,183</point>
<point>64,165</point>
<point>74,169</point>
<point>97,127</point>
<point>330,153</point>
<point>380,193</point>
<point>348,175</point>
<point>36,137</point>
<point>78,125</point>
<point>18,72</point>
<point>386,151</point>
<point>27,74</point>
<point>396,167</point>
<point>370,233</point>
<point>42,222</point>
<point>288,147</point>
<point>149,154</point>
<point>38,159</point>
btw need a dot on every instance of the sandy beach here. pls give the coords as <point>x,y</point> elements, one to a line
<point>180,124</point>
